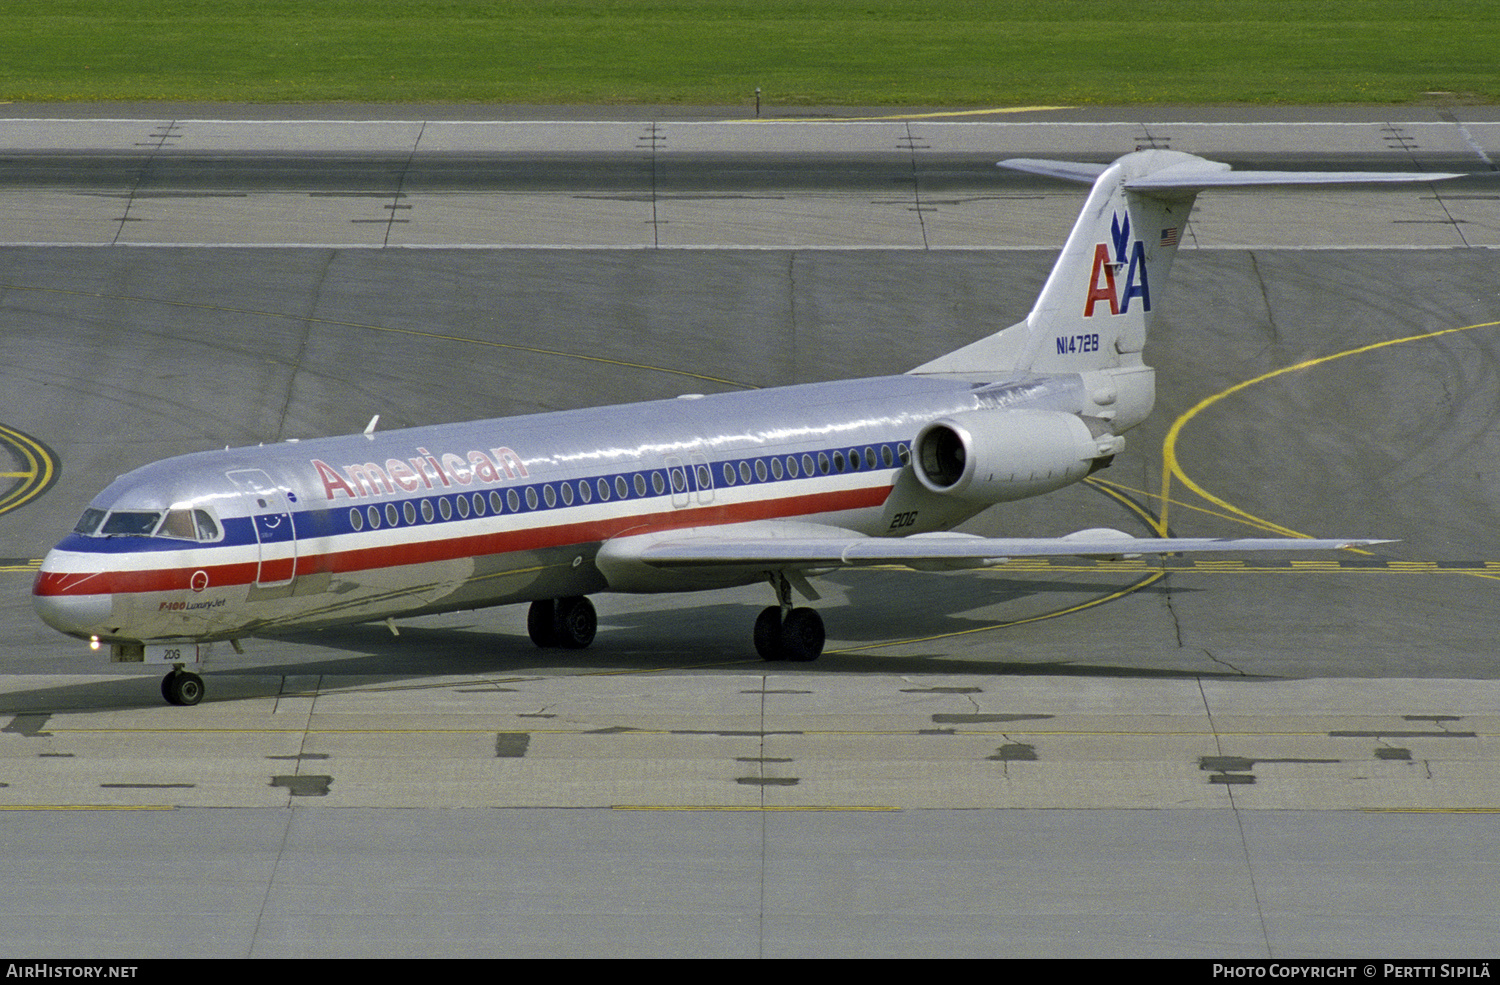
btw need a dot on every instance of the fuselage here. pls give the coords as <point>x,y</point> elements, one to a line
<point>222,544</point>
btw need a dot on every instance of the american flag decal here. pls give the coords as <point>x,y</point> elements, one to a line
<point>1169,237</point>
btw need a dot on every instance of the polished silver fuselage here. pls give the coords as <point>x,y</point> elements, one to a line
<point>459,516</point>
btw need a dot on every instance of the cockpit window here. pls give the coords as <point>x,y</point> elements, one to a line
<point>189,525</point>
<point>130,523</point>
<point>90,522</point>
<point>178,526</point>
<point>207,526</point>
<point>182,524</point>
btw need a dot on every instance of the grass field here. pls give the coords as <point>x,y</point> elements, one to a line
<point>801,52</point>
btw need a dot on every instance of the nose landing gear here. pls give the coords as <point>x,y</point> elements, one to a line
<point>182,687</point>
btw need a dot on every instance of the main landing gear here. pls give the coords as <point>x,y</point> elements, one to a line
<point>182,687</point>
<point>569,623</point>
<point>786,633</point>
<point>781,632</point>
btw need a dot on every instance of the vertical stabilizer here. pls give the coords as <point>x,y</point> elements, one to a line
<point>1095,311</point>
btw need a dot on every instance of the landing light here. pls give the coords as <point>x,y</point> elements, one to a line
<point>93,642</point>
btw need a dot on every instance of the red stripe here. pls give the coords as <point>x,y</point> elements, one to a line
<point>162,580</point>
<point>480,545</point>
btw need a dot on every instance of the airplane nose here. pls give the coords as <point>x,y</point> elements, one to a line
<point>77,615</point>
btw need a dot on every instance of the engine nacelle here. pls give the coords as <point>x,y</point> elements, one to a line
<point>992,456</point>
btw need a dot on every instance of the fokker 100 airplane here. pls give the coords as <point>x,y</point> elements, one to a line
<point>673,496</point>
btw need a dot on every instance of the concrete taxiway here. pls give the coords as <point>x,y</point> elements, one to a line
<point>1267,759</point>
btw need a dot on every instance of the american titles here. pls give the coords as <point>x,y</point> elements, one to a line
<point>425,471</point>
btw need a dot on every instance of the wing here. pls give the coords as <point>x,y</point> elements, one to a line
<point>801,546</point>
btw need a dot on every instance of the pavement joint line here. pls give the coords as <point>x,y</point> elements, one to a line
<point>633,124</point>
<point>314,244</point>
<point>923,731</point>
<point>88,807</point>
<point>755,808</point>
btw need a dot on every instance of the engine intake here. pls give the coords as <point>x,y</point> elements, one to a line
<point>994,456</point>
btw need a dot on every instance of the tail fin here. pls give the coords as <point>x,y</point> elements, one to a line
<point>1096,308</point>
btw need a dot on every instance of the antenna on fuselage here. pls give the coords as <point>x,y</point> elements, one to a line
<point>370,428</point>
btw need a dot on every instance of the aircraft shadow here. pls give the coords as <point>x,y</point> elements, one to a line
<point>706,638</point>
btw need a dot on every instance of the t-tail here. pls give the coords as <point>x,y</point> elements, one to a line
<point>1095,311</point>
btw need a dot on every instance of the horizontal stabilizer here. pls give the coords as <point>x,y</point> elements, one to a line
<point>1077,171</point>
<point>1196,174</point>
<point>1197,181</point>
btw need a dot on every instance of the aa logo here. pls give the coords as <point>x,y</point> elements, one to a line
<point>1102,282</point>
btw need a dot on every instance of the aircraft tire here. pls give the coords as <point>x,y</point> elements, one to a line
<point>541,621</point>
<point>182,688</point>
<point>768,634</point>
<point>574,623</point>
<point>802,635</point>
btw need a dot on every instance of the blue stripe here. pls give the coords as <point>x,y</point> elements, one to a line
<point>529,498</point>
